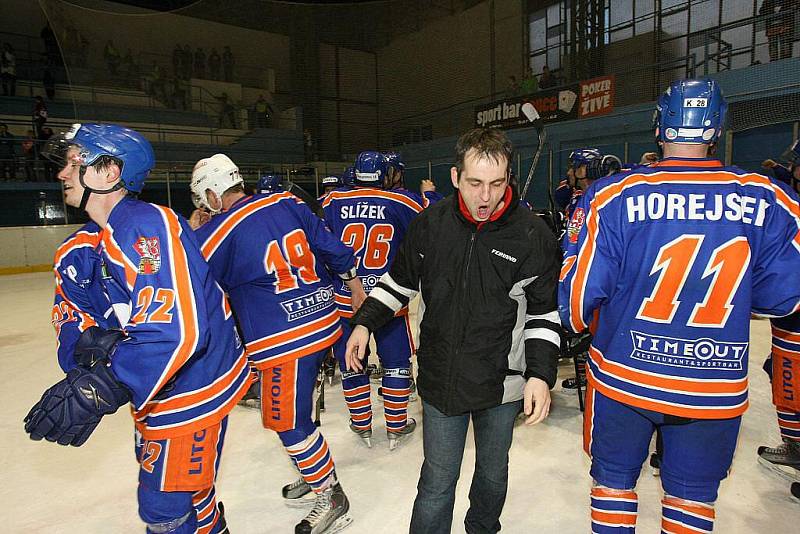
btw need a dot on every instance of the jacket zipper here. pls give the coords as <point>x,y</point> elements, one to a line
<point>453,361</point>
<point>469,257</point>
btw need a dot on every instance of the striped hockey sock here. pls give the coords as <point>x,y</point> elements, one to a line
<point>614,511</point>
<point>395,400</point>
<point>356,395</point>
<point>789,423</point>
<point>205,505</point>
<point>313,459</point>
<point>679,516</point>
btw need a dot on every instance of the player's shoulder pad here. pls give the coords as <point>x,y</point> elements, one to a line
<point>86,238</point>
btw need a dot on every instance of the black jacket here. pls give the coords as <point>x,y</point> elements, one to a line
<point>488,314</point>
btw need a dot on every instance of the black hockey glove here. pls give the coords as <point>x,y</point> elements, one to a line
<point>96,344</point>
<point>69,411</point>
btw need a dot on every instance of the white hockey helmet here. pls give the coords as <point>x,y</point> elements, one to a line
<point>217,173</point>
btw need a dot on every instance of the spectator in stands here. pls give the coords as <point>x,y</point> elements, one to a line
<point>529,83</point>
<point>199,63</point>
<point>50,45</point>
<point>29,156</point>
<point>308,141</point>
<point>49,83</point>
<point>129,67</point>
<point>227,115</point>
<point>180,94</point>
<point>227,64</point>
<point>264,112</point>
<point>513,87</point>
<point>177,61</point>
<point>780,26</point>
<point>8,70</point>
<point>187,62</point>
<point>8,167</point>
<point>546,80</point>
<point>39,115</point>
<point>214,64</point>
<point>112,57</point>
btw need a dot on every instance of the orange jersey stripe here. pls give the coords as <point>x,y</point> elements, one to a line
<point>116,255</point>
<point>254,347</point>
<point>680,385</point>
<point>672,409</point>
<point>569,261</point>
<point>194,425</point>
<point>79,240</point>
<point>217,236</point>
<point>371,193</point>
<point>185,303</point>
<point>199,396</point>
<point>299,353</point>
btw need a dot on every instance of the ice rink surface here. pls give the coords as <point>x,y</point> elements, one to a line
<point>92,489</point>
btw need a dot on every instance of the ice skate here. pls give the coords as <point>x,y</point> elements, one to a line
<point>655,464</point>
<point>395,437</point>
<point>413,395</point>
<point>571,384</point>
<point>365,434</point>
<point>783,460</point>
<point>329,514</point>
<point>298,494</point>
<point>251,399</point>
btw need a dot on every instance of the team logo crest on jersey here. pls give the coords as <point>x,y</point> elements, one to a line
<point>150,252</point>
<point>575,224</point>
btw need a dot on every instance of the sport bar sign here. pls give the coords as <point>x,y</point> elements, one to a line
<point>583,99</point>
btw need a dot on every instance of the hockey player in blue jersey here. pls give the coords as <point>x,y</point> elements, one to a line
<point>790,175</point>
<point>664,265</point>
<point>396,181</point>
<point>568,188</point>
<point>269,183</point>
<point>373,221</point>
<point>783,368</point>
<point>272,256</point>
<point>81,300</point>
<point>181,381</point>
<point>329,183</point>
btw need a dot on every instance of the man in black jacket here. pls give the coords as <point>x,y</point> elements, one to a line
<point>489,329</point>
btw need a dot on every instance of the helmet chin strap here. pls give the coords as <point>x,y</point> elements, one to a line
<point>88,190</point>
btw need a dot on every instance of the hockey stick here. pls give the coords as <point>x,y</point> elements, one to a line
<point>533,117</point>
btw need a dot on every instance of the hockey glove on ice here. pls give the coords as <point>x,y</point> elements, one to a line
<point>96,344</point>
<point>69,411</point>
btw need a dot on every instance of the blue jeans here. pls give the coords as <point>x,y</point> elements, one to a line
<point>443,439</point>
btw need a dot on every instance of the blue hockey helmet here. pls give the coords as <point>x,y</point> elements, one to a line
<point>331,181</point>
<point>96,140</point>
<point>371,169</point>
<point>690,111</point>
<point>395,161</point>
<point>602,166</point>
<point>269,183</point>
<point>349,176</point>
<point>582,156</point>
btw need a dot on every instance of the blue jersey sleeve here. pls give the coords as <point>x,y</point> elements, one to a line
<point>590,269</point>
